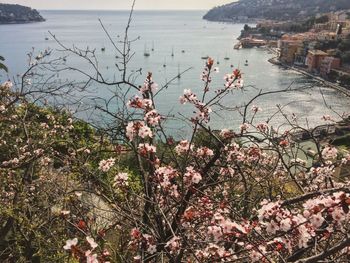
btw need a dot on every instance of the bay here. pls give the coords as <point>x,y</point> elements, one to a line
<point>189,38</point>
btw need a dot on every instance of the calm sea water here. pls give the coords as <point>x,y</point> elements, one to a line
<point>169,31</point>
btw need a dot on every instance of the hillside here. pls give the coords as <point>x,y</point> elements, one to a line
<point>17,14</point>
<point>274,9</point>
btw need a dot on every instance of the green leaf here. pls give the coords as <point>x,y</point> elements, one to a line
<point>3,67</point>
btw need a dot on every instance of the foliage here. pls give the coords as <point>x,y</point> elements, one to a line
<point>343,140</point>
<point>37,145</point>
<point>2,66</point>
<point>126,191</point>
<point>346,57</point>
<point>18,14</point>
<point>275,9</point>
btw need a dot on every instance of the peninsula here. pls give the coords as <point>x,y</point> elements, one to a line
<point>282,10</point>
<point>17,14</point>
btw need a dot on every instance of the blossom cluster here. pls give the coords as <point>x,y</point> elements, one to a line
<point>106,165</point>
<point>84,253</point>
<point>138,128</point>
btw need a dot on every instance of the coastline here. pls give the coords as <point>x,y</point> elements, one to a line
<point>22,23</point>
<point>251,21</point>
<point>337,87</point>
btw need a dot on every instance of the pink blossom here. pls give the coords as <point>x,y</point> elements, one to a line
<point>183,147</point>
<point>87,151</point>
<point>140,103</point>
<point>316,220</point>
<point>188,96</point>
<point>145,148</point>
<point>338,214</point>
<point>304,236</point>
<point>285,224</point>
<point>152,118</point>
<point>138,128</point>
<point>257,255</point>
<point>145,131</point>
<point>45,161</point>
<point>329,152</point>
<point>215,232</point>
<point>106,165</point>
<point>121,179</point>
<point>149,85</point>
<point>192,176</point>
<point>2,108</point>
<point>256,109</point>
<point>226,133</point>
<point>70,243</point>
<point>91,242</point>
<point>91,258</point>
<point>7,85</point>
<point>244,127</point>
<point>271,227</point>
<point>130,130</point>
<point>204,152</point>
<point>173,244</point>
<point>152,249</point>
<point>262,127</point>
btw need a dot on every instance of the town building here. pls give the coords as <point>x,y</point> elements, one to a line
<point>252,42</point>
<point>327,64</point>
<point>293,47</point>
<point>288,50</point>
<point>314,59</point>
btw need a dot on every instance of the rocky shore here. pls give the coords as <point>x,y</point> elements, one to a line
<point>17,14</point>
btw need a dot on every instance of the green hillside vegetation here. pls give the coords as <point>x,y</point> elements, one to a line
<point>274,9</point>
<point>16,14</point>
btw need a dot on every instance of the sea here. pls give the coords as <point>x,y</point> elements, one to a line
<point>176,41</point>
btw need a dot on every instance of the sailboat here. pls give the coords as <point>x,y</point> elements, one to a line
<point>164,65</point>
<point>172,52</point>
<point>246,63</point>
<point>226,57</point>
<point>178,72</point>
<point>152,45</point>
<point>146,52</point>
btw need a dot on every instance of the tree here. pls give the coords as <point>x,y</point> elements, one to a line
<point>322,19</point>
<point>128,192</point>
<point>346,57</point>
